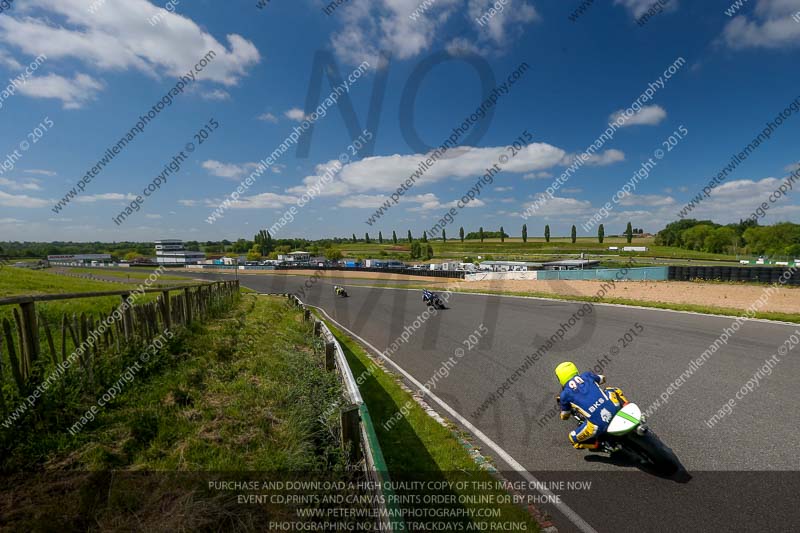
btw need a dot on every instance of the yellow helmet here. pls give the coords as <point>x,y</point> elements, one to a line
<point>566,371</point>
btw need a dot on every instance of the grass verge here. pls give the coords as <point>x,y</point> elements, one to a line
<point>239,395</point>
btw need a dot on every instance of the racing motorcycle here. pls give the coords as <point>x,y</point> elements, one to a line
<point>628,433</point>
<point>432,299</point>
<point>340,291</point>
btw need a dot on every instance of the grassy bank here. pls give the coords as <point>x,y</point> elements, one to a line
<point>134,274</point>
<point>242,393</point>
<point>419,447</point>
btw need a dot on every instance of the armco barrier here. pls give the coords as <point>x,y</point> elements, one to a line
<point>357,428</point>
<point>641,274</point>
<point>750,274</point>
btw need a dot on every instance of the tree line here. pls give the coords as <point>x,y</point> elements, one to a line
<point>778,240</point>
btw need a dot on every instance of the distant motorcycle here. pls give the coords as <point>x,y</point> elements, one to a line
<point>628,433</point>
<point>340,291</point>
<point>432,299</point>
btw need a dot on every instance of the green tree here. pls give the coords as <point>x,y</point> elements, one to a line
<point>424,236</point>
<point>416,250</point>
<point>354,238</point>
<point>394,237</point>
<point>671,234</point>
<point>366,238</point>
<point>777,240</point>
<point>380,238</point>
<point>480,233</point>
<point>409,237</point>
<point>694,238</point>
<point>502,234</point>
<point>333,254</point>
<point>461,234</point>
<point>264,241</point>
<point>428,253</point>
<point>574,234</point>
<point>444,236</point>
<point>720,240</point>
<point>524,233</point>
<point>255,253</point>
<point>547,233</point>
<point>601,233</point>
<point>629,233</point>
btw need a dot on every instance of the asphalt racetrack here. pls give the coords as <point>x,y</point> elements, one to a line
<point>743,467</point>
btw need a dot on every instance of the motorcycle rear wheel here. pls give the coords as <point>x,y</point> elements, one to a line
<point>651,449</point>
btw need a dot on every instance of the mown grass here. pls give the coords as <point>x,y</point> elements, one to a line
<point>19,281</point>
<point>128,273</point>
<point>536,249</point>
<point>240,394</point>
<point>419,447</point>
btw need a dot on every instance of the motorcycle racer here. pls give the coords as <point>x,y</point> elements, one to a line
<point>596,405</point>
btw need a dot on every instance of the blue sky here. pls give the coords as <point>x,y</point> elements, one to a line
<point>105,64</point>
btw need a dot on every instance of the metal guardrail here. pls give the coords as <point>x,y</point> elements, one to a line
<point>357,427</point>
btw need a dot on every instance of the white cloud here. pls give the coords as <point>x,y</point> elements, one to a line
<point>152,215</point>
<point>10,221</point>
<point>770,26</point>
<point>40,172</point>
<point>537,176</point>
<point>266,200</point>
<point>268,117</point>
<point>503,189</point>
<point>647,200</point>
<point>231,171</point>
<point>637,8</point>
<point>118,37</point>
<point>430,202</point>
<point>216,94</point>
<point>386,173</point>
<point>649,115</point>
<point>74,93</point>
<point>30,185</point>
<point>461,46</point>
<point>8,61</point>
<point>385,25</point>
<point>559,206</point>
<point>513,15</point>
<point>609,157</point>
<point>109,196</point>
<point>364,201</point>
<point>295,114</point>
<point>21,201</point>
<point>188,203</point>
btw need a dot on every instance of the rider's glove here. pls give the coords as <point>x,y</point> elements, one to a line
<point>564,415</point>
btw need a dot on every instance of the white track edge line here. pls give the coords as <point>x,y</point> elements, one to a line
<point>579,522</point>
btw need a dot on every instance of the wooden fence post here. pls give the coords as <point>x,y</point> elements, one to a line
<point>30,334</point>
<point>167,316</point>
<point>351,433</point>
<point>188,304</point>
<point>127,317</point>
<point>330,352</point>
<point>317,328</point>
